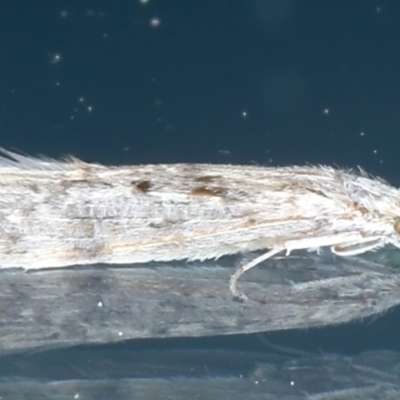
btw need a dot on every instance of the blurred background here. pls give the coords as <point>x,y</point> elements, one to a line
<point>271,82</point>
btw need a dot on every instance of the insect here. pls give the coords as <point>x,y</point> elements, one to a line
<point>62,213</point>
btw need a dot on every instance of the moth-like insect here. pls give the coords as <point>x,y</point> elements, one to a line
<point>62,213</point>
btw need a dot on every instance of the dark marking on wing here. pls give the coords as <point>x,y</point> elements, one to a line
<point>143,186</point>
<point>206,178</point>
<point>205,191</point>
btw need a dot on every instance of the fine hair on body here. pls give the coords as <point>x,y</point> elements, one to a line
<point>69,212</point>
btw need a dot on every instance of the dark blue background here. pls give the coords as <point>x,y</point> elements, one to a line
<point>227,81</point>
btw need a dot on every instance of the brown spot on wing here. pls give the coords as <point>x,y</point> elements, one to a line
<point>206,178</point>
<point>396,225</point>
<point>143,186</point>
<point>205,191</point>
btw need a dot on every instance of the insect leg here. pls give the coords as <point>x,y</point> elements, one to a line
<point>241,270</point>
<point>353,249</point>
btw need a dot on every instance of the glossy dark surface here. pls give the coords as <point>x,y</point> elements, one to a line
<point>264,81</point>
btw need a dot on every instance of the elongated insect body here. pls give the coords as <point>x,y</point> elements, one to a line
<point>61,213</point>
